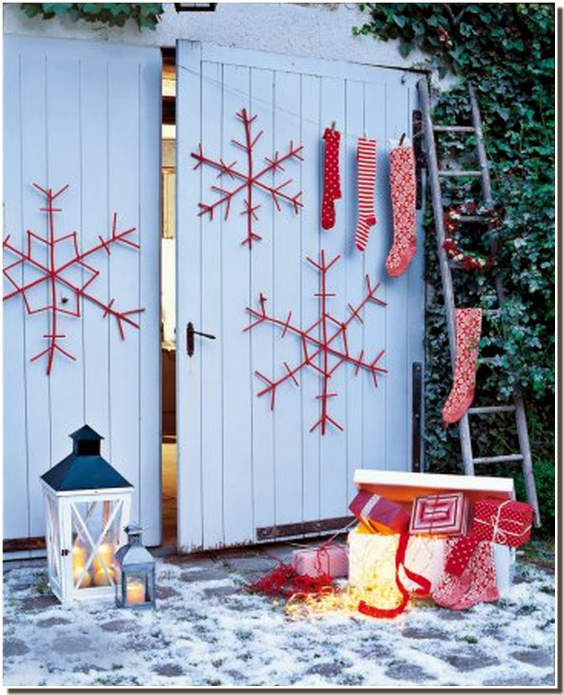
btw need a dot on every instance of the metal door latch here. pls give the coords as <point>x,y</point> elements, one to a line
<point>190,333</point>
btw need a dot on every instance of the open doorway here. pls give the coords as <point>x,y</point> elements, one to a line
<point>168,320</point>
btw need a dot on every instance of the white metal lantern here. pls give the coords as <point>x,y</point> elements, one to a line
<point>87,505</point>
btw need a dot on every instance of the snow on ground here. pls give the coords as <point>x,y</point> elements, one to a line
<point>209,631</point>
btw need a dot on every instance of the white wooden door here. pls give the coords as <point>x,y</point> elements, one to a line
<point>85,114</point>
<point>243,466</point>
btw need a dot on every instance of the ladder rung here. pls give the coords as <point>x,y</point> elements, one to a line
<point>499,459</point>
<point>482,410</point>
<point>474,218</point>
<point>458,172</point>
<point>454,128</point>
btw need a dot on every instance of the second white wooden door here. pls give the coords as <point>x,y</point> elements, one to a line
<point>242,466</point>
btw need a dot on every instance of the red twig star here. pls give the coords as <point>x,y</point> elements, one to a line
<point>324,345</point>
<point>249,181</point>
<point>54,274</point>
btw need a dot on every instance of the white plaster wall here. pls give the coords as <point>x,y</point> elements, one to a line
<point>301,29</point>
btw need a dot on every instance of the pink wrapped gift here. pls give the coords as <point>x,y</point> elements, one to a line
<point>379,514</point>
<point>331,559</point>
<point>444,514</point>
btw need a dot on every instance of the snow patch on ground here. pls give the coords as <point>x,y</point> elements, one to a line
<point>209,631</point>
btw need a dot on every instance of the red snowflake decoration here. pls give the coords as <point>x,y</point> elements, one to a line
<point>249,181</point>
<point>54,274</point>
<point>324,345</point>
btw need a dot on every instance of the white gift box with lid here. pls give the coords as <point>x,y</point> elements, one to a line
<point>372,555</point>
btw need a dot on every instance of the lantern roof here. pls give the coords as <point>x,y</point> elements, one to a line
<point>134,553</point>
<point>84,468</point>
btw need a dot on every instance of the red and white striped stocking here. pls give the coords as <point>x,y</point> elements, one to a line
<point>366,160</point>
<point>468,329</point>
<point>403,187</point>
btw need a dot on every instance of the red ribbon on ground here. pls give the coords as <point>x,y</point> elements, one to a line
<point>423,590</point>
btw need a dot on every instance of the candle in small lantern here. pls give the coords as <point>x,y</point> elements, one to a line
<point>135,592</point>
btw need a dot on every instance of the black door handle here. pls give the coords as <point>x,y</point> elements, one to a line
<point>190,333</point>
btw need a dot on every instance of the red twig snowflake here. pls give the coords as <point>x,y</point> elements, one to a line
<point>53,274</point>
<point>324,345</point>
<point>249,180</point>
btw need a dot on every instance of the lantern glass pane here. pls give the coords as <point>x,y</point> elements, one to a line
<point>95,538</point>
<point>52,532</point>
<point>136,588</point>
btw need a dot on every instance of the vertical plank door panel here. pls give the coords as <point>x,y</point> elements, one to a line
<point>16,506</point>
<point>60,121</point>
<point>262,339</point>
<point>269,468</point>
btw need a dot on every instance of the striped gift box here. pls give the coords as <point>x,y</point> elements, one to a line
<point>444,514</point>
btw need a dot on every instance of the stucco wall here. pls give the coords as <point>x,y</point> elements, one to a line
<point>300,29</point>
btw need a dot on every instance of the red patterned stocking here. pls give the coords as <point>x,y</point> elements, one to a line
<point>476,584</point>
<point>331,181</point>
<point>468,329</point>
<point>403,186</point>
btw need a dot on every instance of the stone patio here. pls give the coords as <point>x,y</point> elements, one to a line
<point>209,631</point>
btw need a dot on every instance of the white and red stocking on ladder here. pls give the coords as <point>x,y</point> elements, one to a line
<point>468,327</point>
<point>403,191</point>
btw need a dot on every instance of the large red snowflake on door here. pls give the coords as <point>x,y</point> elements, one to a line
<point>249,181</point>
<point>56,275</point>
<point>324,345</point>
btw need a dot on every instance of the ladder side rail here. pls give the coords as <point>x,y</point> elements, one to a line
<point>520,417</point>
<point>446,278</point>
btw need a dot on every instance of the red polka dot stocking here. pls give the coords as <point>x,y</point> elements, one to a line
<point>403,187</point>
<point>468,329</point>
<point>366,159</point>
<point>331,181</point>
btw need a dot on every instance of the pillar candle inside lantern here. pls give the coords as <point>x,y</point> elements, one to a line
<point>135,592</point>
<point>103,557</point>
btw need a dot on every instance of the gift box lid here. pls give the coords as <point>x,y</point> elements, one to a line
<point>403,486</point>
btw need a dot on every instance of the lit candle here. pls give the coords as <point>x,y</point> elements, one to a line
<point>103,557</point>
<point>85,581</point>
<point>135,592</point>
<point>101,578</point>
<point>78,557</point>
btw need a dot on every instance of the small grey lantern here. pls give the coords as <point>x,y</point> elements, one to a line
<point>137,565</point>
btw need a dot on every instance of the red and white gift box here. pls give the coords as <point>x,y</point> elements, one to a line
<point>331,559</point>
<point>502,521</point>
<point>379,514</point>
<point>444,514</point>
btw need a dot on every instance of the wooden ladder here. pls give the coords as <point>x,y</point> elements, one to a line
<point>435,175</point>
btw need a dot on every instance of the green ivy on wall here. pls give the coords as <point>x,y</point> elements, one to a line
<point>507,52</point>
<point>114,14</point>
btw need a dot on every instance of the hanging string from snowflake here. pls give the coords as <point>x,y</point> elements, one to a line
<point>54,276</point>
<point>324,345</point>
<point>249,180</point>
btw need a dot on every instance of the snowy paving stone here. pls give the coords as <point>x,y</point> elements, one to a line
<point>120,625</point>
<point>372,651</point>
<point>329,669</point>
<point>15,647</point>
<point>520,680</point>
<point>164,592</point>
<point>185,561</point>
<point>221,591</point>
<point>405,671</point>
<point>447,614</point>
<point>469,661</point>
<point>535,657</point>
<point>257,563</point>
<point>168,670</point>
<point>51,622</point>
<point>86,668</point>
<point>424,633</point>
<point>205,575</point>
<point>32,604</point>
<point>71,645</point>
